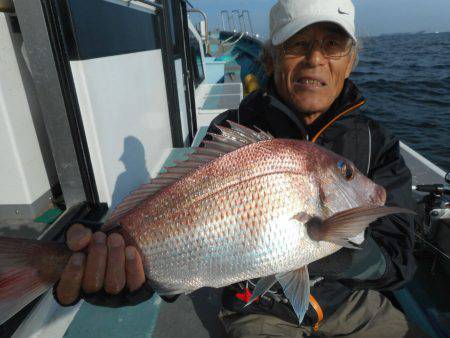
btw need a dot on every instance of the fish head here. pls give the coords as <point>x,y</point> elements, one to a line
<point>342,185</point>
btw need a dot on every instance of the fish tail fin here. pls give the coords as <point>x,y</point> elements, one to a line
<point>28,268</point>
<point>344,225</point>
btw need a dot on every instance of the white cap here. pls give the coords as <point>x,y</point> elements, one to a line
<point>287,17</point>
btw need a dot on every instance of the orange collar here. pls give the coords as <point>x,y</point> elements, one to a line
<point>314,139</point>
<point>318,310</point>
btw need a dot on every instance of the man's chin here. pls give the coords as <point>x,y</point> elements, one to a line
<point>306,106</point>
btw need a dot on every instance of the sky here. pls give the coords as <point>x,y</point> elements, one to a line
<point>373,17</point>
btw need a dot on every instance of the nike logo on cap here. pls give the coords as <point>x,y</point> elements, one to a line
<point>341,12</point>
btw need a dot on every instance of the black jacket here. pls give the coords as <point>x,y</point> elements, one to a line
<point>386,261</point>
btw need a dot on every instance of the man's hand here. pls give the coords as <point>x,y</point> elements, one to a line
<point>109,265</point>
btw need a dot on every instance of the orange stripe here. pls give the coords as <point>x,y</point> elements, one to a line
<point>336,118</point>
<point>318,310</point>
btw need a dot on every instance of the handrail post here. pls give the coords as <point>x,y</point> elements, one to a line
<point>222,12</point>
<point>249,20</point>
<point>229,22</point>
<point>196,10</point>
<point>237,12</point>
<point>243,23</point>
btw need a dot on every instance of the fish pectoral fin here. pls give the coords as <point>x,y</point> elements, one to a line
<point>263,285</point>
<point>342,227</point>
<point>295,285</point>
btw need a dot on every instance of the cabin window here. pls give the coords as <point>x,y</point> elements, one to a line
<point>196,57</point>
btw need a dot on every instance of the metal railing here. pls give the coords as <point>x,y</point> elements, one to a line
<point>222,13</point>
<point>235,11</point>
<point>241,17</point>
<point>249,20</point>
<point>196,10</point>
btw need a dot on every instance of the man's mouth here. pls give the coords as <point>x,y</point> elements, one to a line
<point>310,82</point>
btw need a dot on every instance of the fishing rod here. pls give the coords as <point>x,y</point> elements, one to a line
<point>436,212</point>
<point>432,246</point>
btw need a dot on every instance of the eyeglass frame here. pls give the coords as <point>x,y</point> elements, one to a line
<point>311,46</point>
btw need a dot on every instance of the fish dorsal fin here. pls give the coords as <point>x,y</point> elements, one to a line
<point>227,141</point>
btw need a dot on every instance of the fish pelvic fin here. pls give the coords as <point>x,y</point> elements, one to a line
<point>221,143</point>
<point>262,286</point>
<point>345,225</point>
<point>28,268</point>
<point>296,288</point>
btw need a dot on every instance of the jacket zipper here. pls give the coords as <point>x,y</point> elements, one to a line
<point>314,139</point>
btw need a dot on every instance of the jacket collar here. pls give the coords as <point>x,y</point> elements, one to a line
<point>348,101</point>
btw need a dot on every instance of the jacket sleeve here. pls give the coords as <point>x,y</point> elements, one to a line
<point>393,234</point>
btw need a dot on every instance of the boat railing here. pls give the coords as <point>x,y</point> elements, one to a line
<point>249,20</point>
<point>205,19</point>
<point>235,11</point>
<point>242,23</point>
<point>240,17</point>
<point>224,14</point>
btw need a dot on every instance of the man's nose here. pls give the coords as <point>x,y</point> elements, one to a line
<point>315,55</point>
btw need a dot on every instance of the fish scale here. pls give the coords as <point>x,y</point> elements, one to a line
<point>244,203</point>
<point>265,209</point>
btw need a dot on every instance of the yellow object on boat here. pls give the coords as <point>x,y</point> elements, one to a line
<point>251,84</point>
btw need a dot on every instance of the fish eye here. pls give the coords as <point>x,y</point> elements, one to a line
<point>345,169</point>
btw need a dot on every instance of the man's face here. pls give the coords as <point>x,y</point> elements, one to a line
<point>310,82</point>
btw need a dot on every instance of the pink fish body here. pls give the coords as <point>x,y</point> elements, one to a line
<point>246,206</point>
<point>234,218</point>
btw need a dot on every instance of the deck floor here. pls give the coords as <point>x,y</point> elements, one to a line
<point>195,315</point>
<point>21,228</point>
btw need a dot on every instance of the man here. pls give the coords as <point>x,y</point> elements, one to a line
<point>310,56</point>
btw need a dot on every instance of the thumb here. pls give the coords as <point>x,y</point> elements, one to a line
<point>78,237</point>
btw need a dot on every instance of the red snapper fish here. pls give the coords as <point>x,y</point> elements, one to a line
<point>244,206</point>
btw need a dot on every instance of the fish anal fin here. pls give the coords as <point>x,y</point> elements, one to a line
<point>296,288</point>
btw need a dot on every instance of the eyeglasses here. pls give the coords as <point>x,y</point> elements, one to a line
<point>333,46</point>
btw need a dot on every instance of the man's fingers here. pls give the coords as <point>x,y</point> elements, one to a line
<point>115,268</point>
<point>69,285</point>
<point>134,269</point>
<point>78,237</point>
<point>94,274</point>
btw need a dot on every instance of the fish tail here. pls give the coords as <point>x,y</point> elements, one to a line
<point>28,268</point>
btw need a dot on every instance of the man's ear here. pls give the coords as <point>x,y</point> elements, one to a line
<point>267,59</point>
<point>351,64</point>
